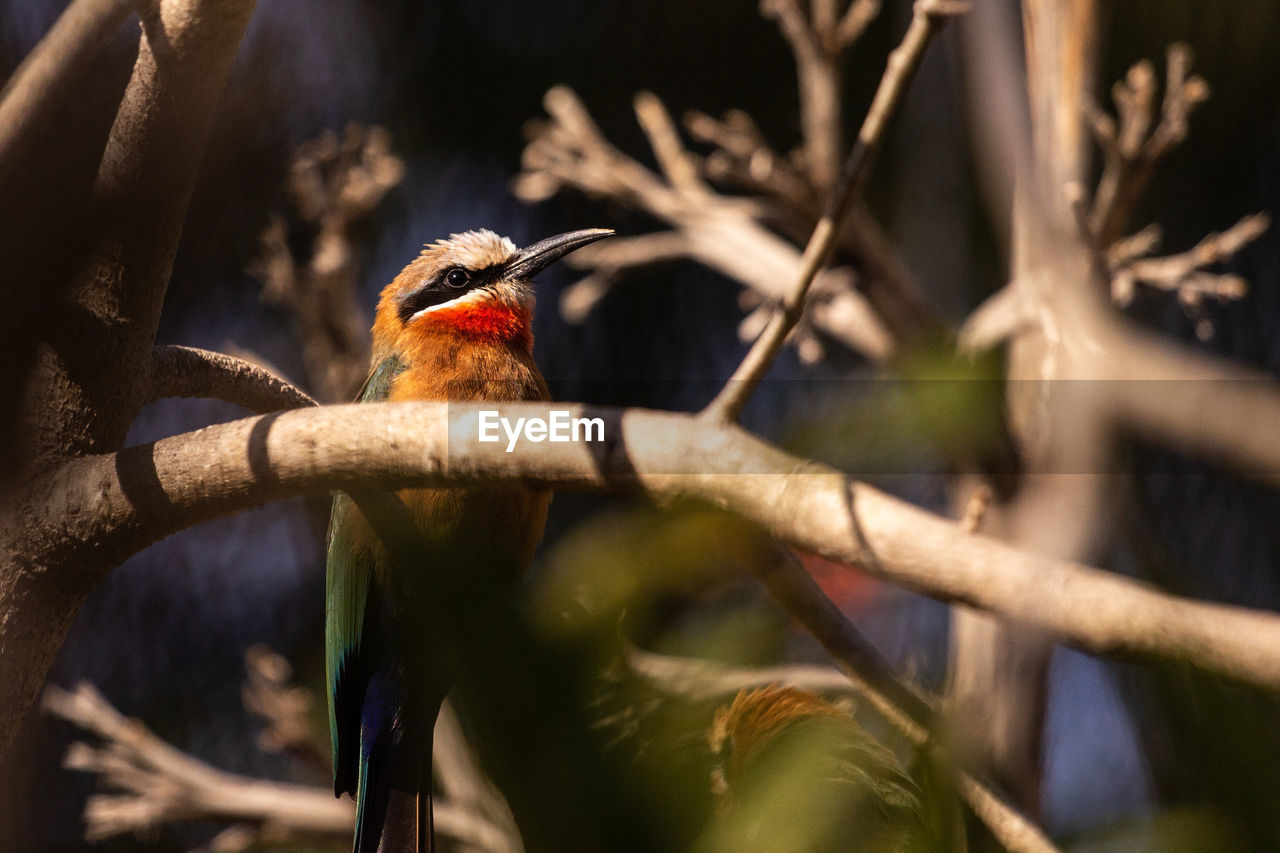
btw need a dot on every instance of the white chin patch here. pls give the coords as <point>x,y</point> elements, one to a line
<point>471,297</point>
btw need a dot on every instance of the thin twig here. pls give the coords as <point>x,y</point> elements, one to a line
<point>680,168</point>
<point>609,260</point>
<point>1184,273</point>
<point>701,680</point>
<point>178,371</point>
<point>1131,149</point>
<point>720,231</point>
<point>975,508</point>
<point>926,21</point>
<point>1001,316</point>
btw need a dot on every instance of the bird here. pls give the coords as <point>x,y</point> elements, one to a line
<point>795,772</point>
<point>455,325</point>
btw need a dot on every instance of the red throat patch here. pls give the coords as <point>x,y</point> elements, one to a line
<point>491,321</point>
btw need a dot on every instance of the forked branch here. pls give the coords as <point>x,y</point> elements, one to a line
<point>158,784</point>
<point>1136,142</point>
<point>721,232</point>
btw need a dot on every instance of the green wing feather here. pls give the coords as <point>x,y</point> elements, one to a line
<point>349,574</point>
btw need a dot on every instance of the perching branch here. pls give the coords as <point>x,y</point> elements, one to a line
<point>139,495</point>
<point>158,784</point>
<point>928,17</point>
<point>178,371</point>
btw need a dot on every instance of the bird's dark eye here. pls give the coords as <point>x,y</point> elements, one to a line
<point>457,277</point>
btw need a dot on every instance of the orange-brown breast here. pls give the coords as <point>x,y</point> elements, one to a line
<point>494,528</point>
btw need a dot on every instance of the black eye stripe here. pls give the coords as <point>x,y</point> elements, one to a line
<point>439,289</point>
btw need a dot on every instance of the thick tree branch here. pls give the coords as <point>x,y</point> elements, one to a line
<point>140,200</point>
<point>178,371</point>
<point>130,499</point>
<point>42,83</point>
<point>89,379</point>
<point>158,784</point>
<point>926,21</point>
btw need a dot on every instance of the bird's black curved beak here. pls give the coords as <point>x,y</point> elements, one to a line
<point>529,262</point>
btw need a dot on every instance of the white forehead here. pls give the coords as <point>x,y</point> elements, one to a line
<point>475,249</point>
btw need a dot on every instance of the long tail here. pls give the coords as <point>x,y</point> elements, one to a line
<point>393,804</point>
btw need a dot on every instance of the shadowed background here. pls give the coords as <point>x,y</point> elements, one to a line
<point>454,83</point>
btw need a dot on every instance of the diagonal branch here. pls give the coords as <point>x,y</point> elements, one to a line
<point>42,83</point>
<point>926,21</point>
<point>132,498</point>
<point>178,371</point>
<point>904,709</point>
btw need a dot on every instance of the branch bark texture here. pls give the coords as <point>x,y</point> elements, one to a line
<point>124,501</point>
<point>92,366</point>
